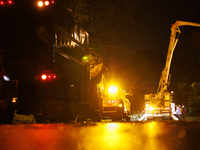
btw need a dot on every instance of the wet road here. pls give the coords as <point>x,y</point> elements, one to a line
<point>101,136</point>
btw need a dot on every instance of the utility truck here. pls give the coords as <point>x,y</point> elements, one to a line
<point>159,105</point>
<point>48,53</point>
<point>115,104</point>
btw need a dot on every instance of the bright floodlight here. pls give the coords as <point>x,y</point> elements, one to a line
<point>112,89</point>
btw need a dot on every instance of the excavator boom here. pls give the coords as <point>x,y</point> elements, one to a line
<point>164,80</point>
<point>159,104</point>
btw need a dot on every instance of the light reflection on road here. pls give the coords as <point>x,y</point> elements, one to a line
<point>101,136</point>
<point>122,136</point>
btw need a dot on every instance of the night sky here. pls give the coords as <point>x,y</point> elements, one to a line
<point>154,19</point>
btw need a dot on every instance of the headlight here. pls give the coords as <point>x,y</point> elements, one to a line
<point>151,108</point>
<point>112,89</point>
<point>120,105</point>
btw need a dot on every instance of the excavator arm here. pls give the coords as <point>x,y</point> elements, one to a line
<point>159,103</point>
<point>175,32</point>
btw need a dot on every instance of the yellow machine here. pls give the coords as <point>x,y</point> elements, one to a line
<point>158,105</point>
<point>115,104</point>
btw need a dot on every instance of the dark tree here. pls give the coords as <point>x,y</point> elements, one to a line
<point>108,21</point>
<point>185,68</point>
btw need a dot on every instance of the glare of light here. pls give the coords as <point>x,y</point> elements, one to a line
<point>56,36</point>
<point>40,3</point>
<point>152,129</point>
<point>85,57</point>
<point>46,3</point>
<point>120,105</point>
<point>2,3</point>
<point>6,78</point>
<point>151,108</point>
<point>112,135</point>
<point>14,100</point>
<point>44,77</point>
<point>52,2</point>
<point>10,2</point>
<point>147,105</point>
<point>167,108</point>
<point>112,126</point>
<point>112,89</point>
<point>75,36</point>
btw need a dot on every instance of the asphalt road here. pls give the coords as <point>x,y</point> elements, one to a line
<point>102,136</point>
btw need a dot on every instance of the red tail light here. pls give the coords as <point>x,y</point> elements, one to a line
<point>44,77</point>
<point>42,3</point>
<point>10,2</point>
<point>2,3</point>
<point>48,77</point>
<point>46,3</point>
<point>6,2</point>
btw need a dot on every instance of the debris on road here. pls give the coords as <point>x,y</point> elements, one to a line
<point>22,119</point>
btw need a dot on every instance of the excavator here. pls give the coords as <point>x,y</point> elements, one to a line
<point>159,105</point>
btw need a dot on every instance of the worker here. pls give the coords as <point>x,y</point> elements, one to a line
<point>179,112</point>
<point>183,112</point>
